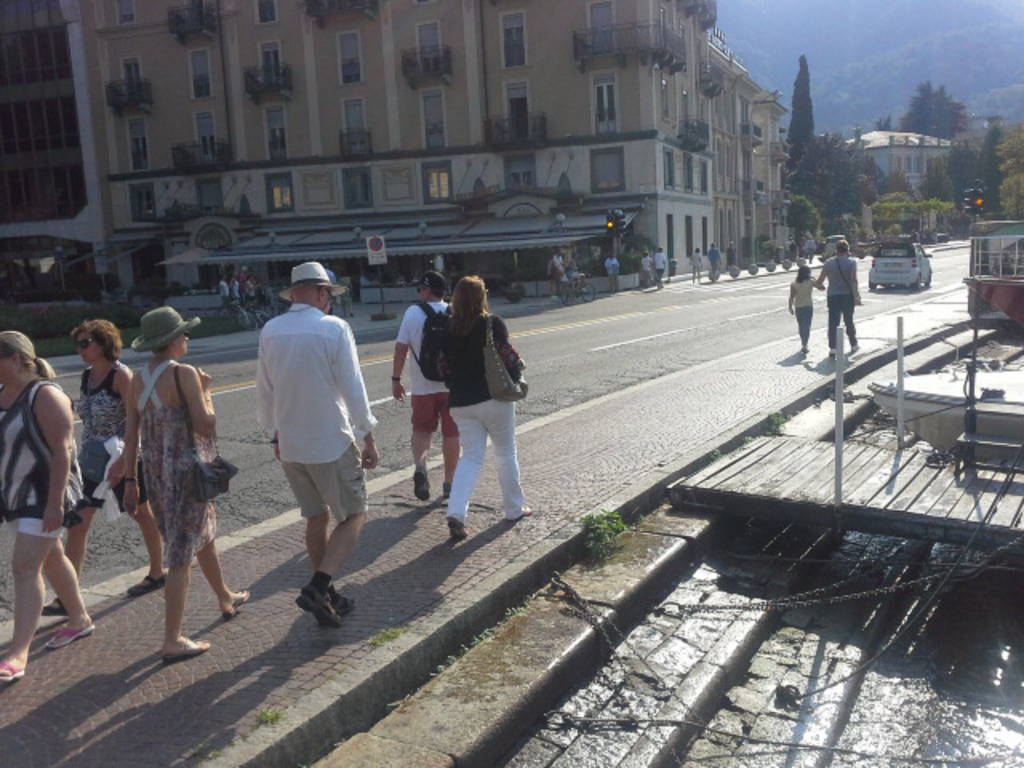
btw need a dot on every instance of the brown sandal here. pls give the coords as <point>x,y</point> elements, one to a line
<point>456,529</point>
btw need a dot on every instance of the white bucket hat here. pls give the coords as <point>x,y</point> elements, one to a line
<point>312,273</point>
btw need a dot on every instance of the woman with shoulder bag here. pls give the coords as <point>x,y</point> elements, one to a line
<point>40,487</point>
<point>100,406</point>
<point>167,402</point>
<point>473,405</point>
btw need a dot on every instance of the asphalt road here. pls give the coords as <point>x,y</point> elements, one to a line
<point>574,354</point>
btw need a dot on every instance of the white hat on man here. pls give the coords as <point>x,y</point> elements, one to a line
<point>312,273</point>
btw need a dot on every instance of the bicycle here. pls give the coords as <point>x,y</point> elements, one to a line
<point>577,289</point>
<point>248,319</point>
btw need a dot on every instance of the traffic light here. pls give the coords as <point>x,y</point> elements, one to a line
<point>615,221</point>
<point>979,203</point>
<point>974,200</point>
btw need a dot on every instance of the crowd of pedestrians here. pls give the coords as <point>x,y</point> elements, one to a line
<point>146,433</point>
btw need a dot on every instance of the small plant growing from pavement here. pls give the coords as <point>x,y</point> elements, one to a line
<point>385,636</point>
<point>774,423</point>
<point>600,531</point>
<point>269,716</point>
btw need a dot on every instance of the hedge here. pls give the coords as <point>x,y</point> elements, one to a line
<point>57,321</point>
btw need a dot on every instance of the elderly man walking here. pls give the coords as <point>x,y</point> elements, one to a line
<point>424,332</point>
<point>312,399</point>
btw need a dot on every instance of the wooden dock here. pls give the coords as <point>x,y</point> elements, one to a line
<point>887,492</point>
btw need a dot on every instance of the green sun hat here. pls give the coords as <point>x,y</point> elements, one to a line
<point>160,327</point>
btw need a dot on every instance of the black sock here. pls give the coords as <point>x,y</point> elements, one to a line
<point>320,582</point>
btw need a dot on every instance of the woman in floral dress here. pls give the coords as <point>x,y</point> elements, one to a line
<point>158,400</point>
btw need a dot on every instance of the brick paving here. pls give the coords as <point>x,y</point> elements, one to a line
<point>107,700</point>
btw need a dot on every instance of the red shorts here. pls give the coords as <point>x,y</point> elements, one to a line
<point>427,409</point>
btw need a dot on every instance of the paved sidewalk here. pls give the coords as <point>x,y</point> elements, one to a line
<point>107,700</point>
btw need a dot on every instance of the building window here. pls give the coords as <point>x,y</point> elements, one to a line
<point>514,39</point>
<point>277,147</point>
<point>664,98</point>
<point>200,61</point>
<point>348,52</point>
<point>433,119</point>
<point>206,133</point>
<point>604,104</point>
<point>437,182</point>
<point>703,177</point>
<point>125,11</point>
<point>266,11</point>
<point>670,169</point>
<point>39,55</point>
<point>138,144</point>
<point>607,170</point>
<point>688,172</point>
<point>143,202</point>
<point>210,195</point>
<point>279,192</point>
<point>358,187</point>
<point>520,171</point>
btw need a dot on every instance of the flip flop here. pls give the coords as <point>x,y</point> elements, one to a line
<point>67,636</point>
<point>9,673</point>
<point>524,512</point>
<point>192,650</point>
<point>242,599</point>
<point>147,585</point>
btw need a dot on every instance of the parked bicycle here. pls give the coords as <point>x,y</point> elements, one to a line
<point>249,319</point>
<point>577,289</point>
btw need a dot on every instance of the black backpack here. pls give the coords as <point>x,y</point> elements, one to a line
<point>432,344</point>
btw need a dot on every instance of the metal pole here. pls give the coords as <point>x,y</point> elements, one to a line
<point>380,282</point>
<point>899,383</point>
<point>840,366</point>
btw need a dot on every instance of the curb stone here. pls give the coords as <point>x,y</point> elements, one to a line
<point>356,699</point>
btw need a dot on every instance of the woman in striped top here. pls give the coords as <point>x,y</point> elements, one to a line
<point>40,486</point>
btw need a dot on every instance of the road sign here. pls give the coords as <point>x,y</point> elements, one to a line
<point>376,251</point>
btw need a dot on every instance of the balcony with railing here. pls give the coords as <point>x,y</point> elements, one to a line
<point>354,144</point>
<point>706,11</point>
<point>659,43</point>
<point>129,94</point>
<point>268,81</point>
<point>197,18</point>
<point>694,135</point>
<point>516,130</point>
<point>201,156</point>
<point>321,9</point>
<point>750,133</point>
<point>433,62</point>
<point>710,80</point>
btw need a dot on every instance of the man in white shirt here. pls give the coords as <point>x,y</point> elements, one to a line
<point>429,397</point>
<point>224,292</point>
<point>646,270</point>
<point>312,399</point>
<point>611,266</point>
<point>660,265</point>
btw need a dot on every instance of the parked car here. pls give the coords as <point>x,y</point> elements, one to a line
<point>900,263</point>
<point>829,249</point>
<point>941,237</point>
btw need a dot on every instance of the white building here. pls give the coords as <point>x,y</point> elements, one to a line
<point>908,153</point>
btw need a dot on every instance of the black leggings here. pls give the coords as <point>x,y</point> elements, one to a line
<point>841,304</point>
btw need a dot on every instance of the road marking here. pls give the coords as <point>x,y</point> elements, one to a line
<point>684,330</point>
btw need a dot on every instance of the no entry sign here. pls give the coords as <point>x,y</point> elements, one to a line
<point>376,250</point>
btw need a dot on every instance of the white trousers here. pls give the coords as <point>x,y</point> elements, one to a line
<point>476,422</point>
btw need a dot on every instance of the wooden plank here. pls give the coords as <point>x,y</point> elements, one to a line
<point>854,466</point>
<point>798,485</point>
<point>770,448</point>
<point>764,477</point>
<point>886,474</point>
<point>727,461</point>
<point>1009,506</point>
<point>943,487</point>
<point>923,477</point>
<point>973,506</point>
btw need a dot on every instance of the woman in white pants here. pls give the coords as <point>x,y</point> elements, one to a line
<point>475,411</point>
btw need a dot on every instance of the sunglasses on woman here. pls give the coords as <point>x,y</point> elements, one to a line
<point>83,343</point>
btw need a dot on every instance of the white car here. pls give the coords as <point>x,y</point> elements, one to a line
<point>900,264</point>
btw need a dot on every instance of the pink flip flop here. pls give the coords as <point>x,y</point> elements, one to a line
<point>67,636</point>
<point>9,673</point>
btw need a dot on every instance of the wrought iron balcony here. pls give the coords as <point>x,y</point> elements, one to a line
<point>658,42</point>
<point>201,156</point>
<point>126,94</point>
<point>516,130</point>
<point>355,144</point>
<point>263,81</point>
<point>711,80</point>
<point>694,135</point>
<point>706,11</point>
<point>320,9</point>
<point>420,64</point>
<point>193,19</point>
<point>751,135</point>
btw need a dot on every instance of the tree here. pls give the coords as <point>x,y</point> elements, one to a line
<point>937,183</point>
<point>801,123</point>
<point>990,168</point>
<point>896,183</point>
<point>1011,150</point>
<point>1011,194</point>
<point>803,216</point>
<point>884,123</point>
<point>964,167</point>
<point>934,113</point>
<point>831,174</point>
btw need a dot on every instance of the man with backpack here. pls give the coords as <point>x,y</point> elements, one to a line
<point>423,332</point>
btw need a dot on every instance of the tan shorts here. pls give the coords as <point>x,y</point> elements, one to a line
<point>337,486</point>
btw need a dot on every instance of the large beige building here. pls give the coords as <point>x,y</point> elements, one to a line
<point>260,132</point>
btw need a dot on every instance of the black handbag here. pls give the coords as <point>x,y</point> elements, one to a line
<point>209,478</point>
<point>93,459</point>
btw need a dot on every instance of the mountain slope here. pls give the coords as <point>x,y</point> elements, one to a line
<point>867,56</point>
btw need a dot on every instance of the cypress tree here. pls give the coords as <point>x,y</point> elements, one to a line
<point>801,123</point>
